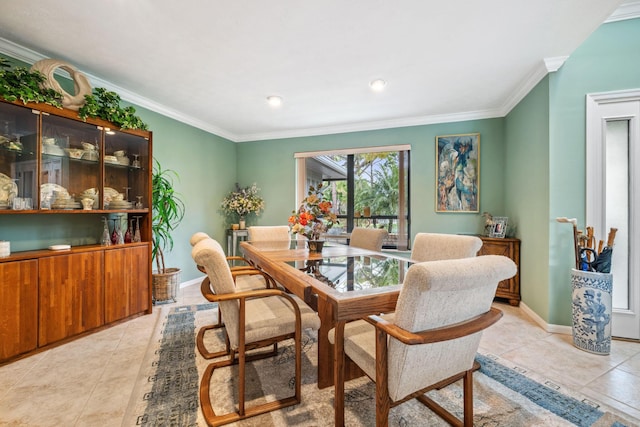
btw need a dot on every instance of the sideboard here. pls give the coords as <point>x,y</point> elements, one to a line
<point>510,247</point>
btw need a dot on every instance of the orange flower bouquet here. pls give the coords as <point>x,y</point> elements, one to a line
<point>314,216</point>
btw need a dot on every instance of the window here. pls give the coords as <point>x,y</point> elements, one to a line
<point>367,187</point>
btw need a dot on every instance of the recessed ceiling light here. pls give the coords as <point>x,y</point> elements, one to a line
<point>274,100</point>
<point>378,85</point>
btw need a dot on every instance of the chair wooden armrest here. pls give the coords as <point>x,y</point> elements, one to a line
<point>239,258</point>
<point>246,270</point>
<point>251,271</point>
<point>457,330</point>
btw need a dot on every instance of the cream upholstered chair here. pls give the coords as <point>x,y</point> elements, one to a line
<point>436,246</point>
<point>200,235</point>
<point>432,338</point>
<point>243,282</point>
<point>368,238</point>
<point>269,233</point>
<point>254,319</point>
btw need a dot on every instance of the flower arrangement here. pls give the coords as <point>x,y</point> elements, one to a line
<point>314,215</point>
<point>243,201</point>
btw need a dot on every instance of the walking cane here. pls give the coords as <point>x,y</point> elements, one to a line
<point>576,245</point>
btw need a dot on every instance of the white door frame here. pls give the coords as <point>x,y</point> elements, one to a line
<point>601,108</point>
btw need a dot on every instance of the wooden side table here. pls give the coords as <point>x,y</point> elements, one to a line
<point>232,240</point>
<point>509,247</point>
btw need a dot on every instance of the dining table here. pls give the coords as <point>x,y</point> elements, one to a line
<point>341,283</point>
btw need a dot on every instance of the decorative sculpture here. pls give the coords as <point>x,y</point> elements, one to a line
<point>80,82</point>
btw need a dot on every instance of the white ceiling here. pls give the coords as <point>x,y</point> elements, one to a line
<point>213,63</point>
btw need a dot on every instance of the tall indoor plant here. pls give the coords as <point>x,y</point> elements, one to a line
<point>168,212</point>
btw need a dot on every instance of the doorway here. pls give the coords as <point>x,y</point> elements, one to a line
<point>613,196</point>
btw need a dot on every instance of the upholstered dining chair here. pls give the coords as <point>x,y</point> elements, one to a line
<point>254,320</point>
<point>269,233</point>
<point>368,238</point>
<point>430,341</point>
<point>243,282</point>
<point>437,246</point>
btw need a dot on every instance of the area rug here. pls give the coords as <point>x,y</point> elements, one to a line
<point>167,389</point>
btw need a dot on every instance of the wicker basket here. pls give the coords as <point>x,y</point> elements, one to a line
<point>165,286</point>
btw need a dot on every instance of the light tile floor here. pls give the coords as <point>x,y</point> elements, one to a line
<point>89,382</point>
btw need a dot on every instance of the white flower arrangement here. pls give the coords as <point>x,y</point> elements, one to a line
<point>243,201</point>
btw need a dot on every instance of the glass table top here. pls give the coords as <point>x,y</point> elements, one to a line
<point>354,273</point>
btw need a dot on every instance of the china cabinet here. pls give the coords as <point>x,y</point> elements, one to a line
<point>61,179</point>
<point>510,247</point>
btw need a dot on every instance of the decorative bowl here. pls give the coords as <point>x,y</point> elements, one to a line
<point>74,153</point>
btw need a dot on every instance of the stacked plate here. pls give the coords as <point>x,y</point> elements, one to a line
<point>63,203</point>
<point>52,149</point>
<point>4,204</point>
<point>120,204</point>
<point>111,159</point>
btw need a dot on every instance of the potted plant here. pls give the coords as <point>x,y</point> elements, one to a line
<point>168,211</point>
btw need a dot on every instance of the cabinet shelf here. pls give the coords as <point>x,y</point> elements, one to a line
<point>73,211</point>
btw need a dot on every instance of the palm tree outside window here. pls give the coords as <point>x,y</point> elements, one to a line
<point>367,187</point>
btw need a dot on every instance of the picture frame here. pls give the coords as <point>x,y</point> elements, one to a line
<point>458,173</point>
<point>499,228</point>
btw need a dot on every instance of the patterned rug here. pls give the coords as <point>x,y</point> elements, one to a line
<point>167,390</point>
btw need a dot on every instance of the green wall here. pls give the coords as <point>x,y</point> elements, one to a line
<point>527,191</point>
<point>272,166</point>
<point>608,60</point>
<point>206,166</point>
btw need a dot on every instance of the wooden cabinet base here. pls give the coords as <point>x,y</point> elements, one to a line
<point>509,247</point>
<point>48,298</point>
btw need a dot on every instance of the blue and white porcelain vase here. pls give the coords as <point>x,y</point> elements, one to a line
<point>591,301</point>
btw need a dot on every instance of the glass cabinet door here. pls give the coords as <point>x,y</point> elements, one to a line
<point>18,158</point>
<point>70,164</point>
<point>126,171</point>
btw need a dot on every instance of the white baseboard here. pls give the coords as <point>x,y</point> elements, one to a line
<point>556,329</point>
<point>195,281</point>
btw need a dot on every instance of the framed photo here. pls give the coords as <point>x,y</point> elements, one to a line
<point>458,173</point>
<point>499,226</point>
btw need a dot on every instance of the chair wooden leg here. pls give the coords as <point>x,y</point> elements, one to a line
<point>468,398</point>
<point>383,402</point>
<point>338,374</point>
<point>467,401</point>
<point>214,419</point>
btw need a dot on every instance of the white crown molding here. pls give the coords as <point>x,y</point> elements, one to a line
<point>29,56</point>
<point>553,64</point>
<point>376,125</point>
<point>627,10</point>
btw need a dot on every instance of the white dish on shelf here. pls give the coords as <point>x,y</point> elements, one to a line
<point>91,155</point>
<point>89,146</point>
<point>53,150</point>
<point>109,195</point>
<point>47,191</point>
<point>59,247</point>
<point>111,159</point>
<point>7,188</point>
